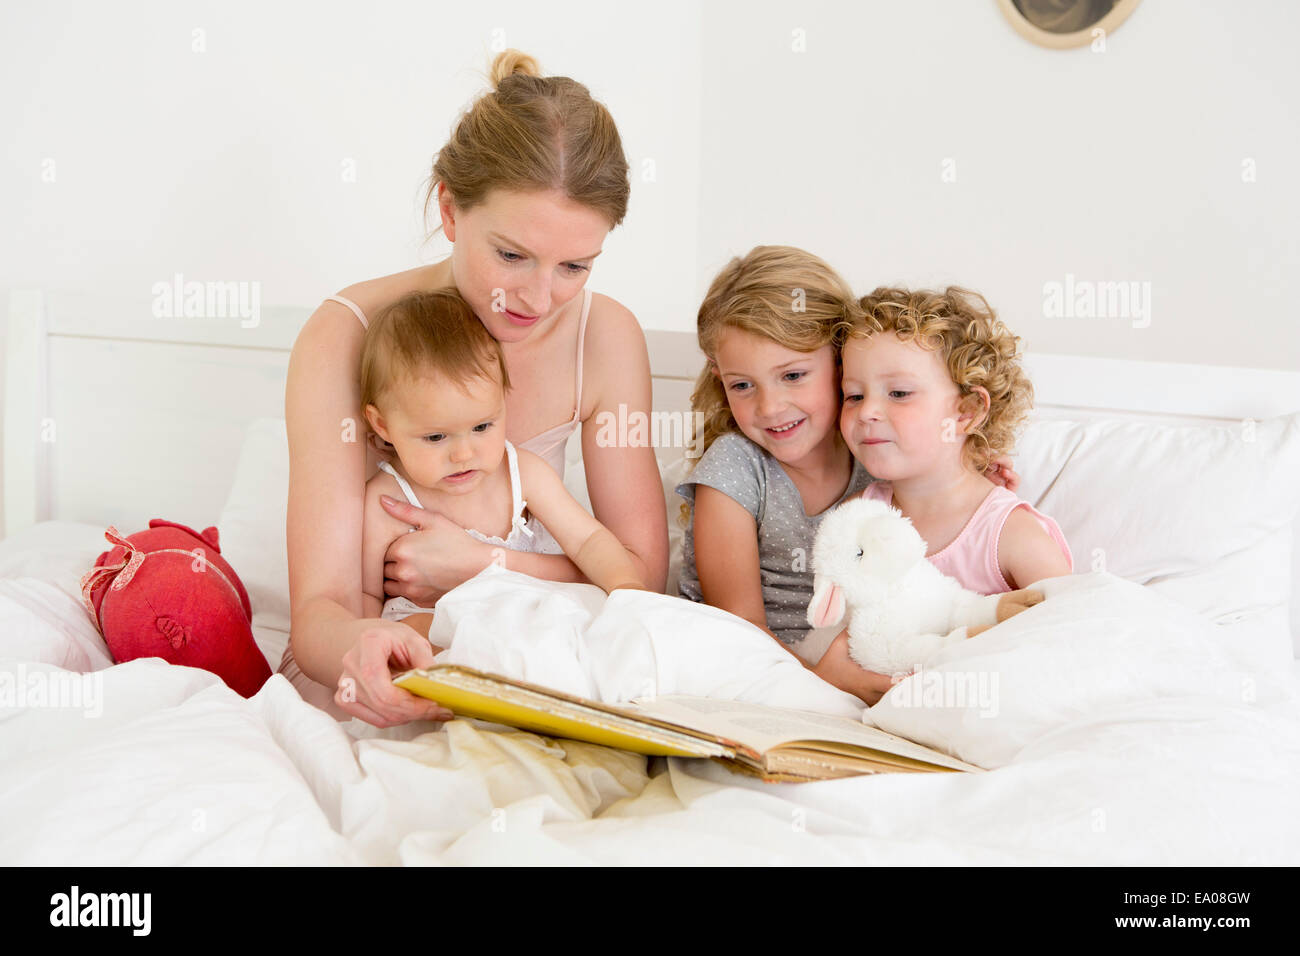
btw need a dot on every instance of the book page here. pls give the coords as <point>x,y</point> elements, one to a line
<point>766,728</point>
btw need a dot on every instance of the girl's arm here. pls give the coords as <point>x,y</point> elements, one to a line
<point>592,546</point>
<point>327,461</point>
<point>1027,553</point>
<point>839,669</point>
<point>726,557</point>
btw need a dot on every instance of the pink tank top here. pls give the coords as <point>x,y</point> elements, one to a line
<point>550,443</point>
<point>972,557</point>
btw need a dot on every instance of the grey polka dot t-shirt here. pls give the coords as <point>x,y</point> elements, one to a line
<point>747,474</point>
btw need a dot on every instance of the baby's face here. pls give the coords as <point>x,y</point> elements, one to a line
<point>900,415</point>
<point>448,436</point>
<point>784,401</point>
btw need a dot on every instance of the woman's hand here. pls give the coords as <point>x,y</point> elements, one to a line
<point>424,565</point>
<point>1001,473</point>
<point>840,670</point>
<point>366,688</point>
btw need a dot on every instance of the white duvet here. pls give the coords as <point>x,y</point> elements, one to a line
<point>1118,730</point>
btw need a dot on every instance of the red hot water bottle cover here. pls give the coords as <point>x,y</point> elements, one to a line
<point>167,592</point>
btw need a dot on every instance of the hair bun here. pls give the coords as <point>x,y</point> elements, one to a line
<point>509,62</point>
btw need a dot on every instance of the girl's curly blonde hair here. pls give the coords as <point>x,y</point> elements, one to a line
<point>976,347</point>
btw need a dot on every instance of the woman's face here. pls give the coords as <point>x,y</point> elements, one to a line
<point>519,257</point>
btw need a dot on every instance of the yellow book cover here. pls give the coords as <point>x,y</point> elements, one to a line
<point>773,743</point>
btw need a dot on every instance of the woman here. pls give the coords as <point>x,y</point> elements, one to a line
<point>531,182</point>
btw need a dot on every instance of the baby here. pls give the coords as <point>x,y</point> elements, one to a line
<point>433,384</point>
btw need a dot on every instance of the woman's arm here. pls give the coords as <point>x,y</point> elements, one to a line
<point>623,479</point>
<point>327,460</point>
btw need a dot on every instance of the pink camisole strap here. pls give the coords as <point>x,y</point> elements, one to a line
<point>356,309</point>
<point>972,557</point>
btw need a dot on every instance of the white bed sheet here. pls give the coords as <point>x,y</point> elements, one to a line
<point>178,769</point>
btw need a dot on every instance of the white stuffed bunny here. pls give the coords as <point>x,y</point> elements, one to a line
<point>902,609</point>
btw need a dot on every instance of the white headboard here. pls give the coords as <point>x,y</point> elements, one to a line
<point>114,416</point>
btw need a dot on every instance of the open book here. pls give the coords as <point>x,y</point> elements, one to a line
<point>775,744</point>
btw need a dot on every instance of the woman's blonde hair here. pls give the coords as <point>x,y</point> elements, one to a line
<point>424,334</point>
<point>783,294</point>
<point>534,132</point>
<point>976,348</point>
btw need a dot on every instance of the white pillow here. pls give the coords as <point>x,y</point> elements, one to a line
<point>252,523</point>
<point>1203,514</point>
<point>1099,648</point>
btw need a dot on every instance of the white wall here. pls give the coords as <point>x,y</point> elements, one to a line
<point>1115,166</point>
<point>227,164</point>
<point>1123,165</point>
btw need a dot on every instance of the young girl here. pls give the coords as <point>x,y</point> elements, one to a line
<point>773,460</point>
<point>433,384</point>
<point>933,391</point>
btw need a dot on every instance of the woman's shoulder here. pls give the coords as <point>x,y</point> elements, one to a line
<point>615,358</point>
<point>611,327</point>
<point>612,312</point>
<point>372,295</point>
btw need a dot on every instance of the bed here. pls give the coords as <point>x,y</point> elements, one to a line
<point>1152,717</point>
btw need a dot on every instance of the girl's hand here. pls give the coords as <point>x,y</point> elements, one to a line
<point>840,670</point>
<point>424,565</point>
<point>366,688</point>
<point>1001,473</point>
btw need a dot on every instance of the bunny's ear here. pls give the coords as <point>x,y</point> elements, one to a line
<point>827,605</point>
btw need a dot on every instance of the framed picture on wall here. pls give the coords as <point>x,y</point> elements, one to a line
<point>1063,24</point>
